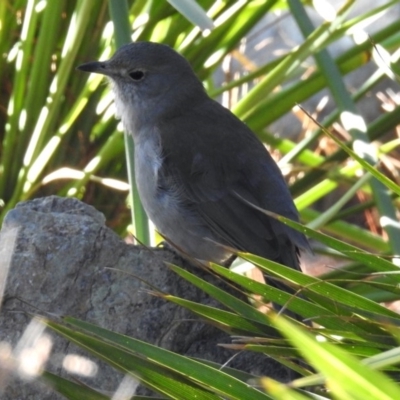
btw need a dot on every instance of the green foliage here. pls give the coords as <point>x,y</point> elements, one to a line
<point>60,137</point>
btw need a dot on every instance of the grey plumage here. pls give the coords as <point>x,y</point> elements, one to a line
<point>196,162</point>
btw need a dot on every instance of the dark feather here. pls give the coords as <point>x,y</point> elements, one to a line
<point>217,169</point>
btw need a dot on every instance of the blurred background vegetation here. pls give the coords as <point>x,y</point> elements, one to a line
<point>59,135</point>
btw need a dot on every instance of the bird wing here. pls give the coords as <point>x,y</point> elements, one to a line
<point>219,167</point>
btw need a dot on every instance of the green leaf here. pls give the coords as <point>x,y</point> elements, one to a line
<point>157,368</point>
<point>373,261</point>
<point>231,322</point>
<point>365,164</point>
<point>346,377</point>
<point>193,12</point>
<point>281,391</point>
<point>238,306</point>
<point>71,390</point>
<point>339,296</point>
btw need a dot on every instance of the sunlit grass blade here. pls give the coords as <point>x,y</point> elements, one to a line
<point>373,261</point>
<point>370,168</point>
<point>225,320</point>
<point>147,372</point>
<point>70,389</point>
<point>310,284</point>
<point>345,376</point>
<point>317,40</point>
<point>193,12</point>
<point>341,311</point>
<point>120,17</point>
<point>293,302</point>
<point>280,391</point>
<point>125,353</point>
<point>227,299</point>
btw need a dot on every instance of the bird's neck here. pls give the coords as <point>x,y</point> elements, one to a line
<point>142,117</point>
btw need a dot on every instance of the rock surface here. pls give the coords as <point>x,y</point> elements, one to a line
<point>67,262</point>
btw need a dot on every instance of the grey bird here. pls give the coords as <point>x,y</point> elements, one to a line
<point>197,165</point>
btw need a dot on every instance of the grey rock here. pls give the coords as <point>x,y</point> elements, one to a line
<point>67,262</point>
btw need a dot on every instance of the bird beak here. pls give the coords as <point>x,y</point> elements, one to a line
<point>96,67</point>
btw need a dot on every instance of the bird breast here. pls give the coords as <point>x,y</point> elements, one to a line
<point>148,161</point>
<point>162,206</point>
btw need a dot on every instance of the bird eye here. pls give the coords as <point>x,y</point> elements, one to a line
<point>137,75</point>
